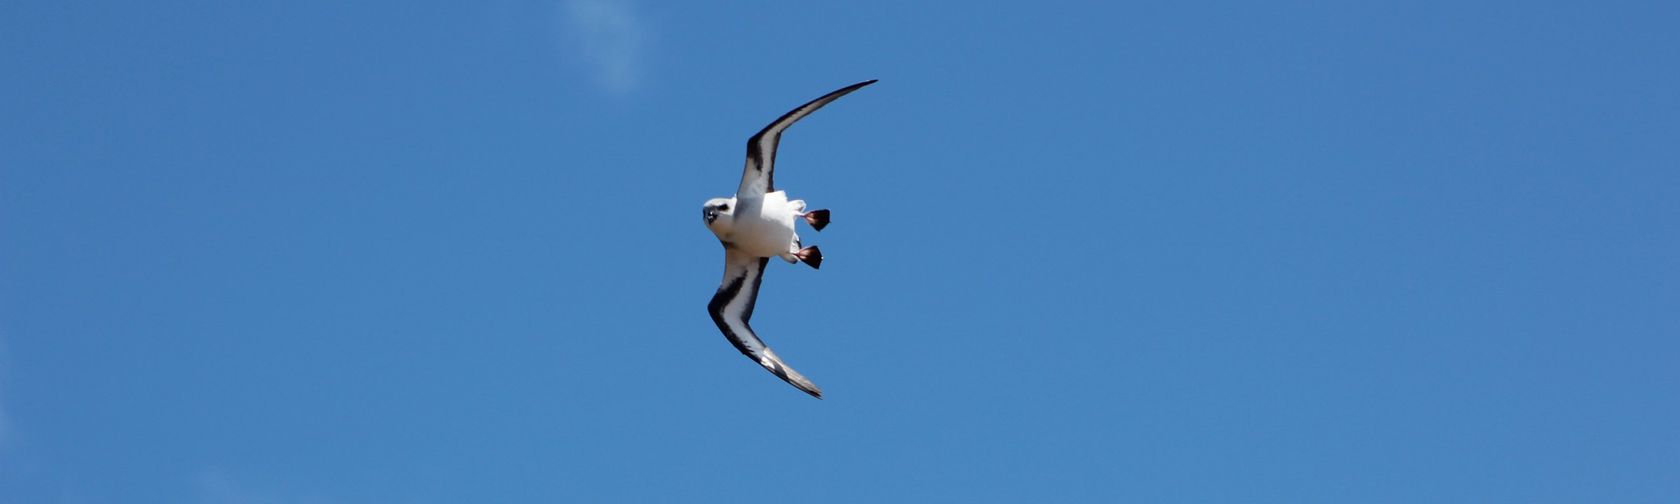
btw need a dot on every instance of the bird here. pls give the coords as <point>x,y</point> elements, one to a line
<point>756,225</point>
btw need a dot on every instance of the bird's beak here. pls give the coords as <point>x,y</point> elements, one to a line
<point>711,215</point>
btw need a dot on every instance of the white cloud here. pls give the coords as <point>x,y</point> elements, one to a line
<point>609,37</point>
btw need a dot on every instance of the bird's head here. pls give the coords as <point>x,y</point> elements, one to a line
<point>720,215</point>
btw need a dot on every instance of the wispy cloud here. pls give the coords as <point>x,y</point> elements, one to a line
<point>609,37</point>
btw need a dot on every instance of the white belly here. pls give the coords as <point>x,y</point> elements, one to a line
<point>769,232</point>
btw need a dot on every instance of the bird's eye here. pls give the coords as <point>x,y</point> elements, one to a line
<point>723,208</point>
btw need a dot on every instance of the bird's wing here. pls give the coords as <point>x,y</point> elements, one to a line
<point>759,176</point>
<point>732,307</point>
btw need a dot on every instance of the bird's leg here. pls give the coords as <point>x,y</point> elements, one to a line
<point>792,254</point>
<point>816,218</point>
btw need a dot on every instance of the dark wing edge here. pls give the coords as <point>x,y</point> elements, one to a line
<point>732,307</point>
<point>760,173</point>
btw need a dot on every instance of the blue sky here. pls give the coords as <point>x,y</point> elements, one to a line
<point>308,252</point>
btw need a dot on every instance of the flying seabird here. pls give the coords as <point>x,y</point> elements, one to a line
<point>754,226</point>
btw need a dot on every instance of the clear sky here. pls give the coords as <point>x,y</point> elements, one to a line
<point>437,252</point>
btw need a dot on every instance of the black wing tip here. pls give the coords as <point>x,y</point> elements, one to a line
<point>799,381</point>
<point>803,384</point>
<point>753,150</point>
<point>855,87</point>
<point>776,367</point>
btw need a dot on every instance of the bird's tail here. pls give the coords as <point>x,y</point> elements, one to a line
<point>775,365</point>
<point>818,219</point>
<point>810,256</point>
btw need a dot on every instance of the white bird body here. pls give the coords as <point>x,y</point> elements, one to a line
<point>764,226</point>
<point>755,225</point>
